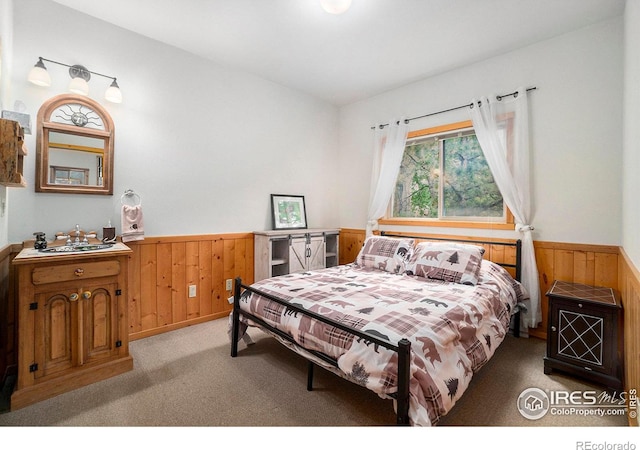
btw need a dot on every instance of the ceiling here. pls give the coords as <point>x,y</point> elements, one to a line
<point>377,45</point>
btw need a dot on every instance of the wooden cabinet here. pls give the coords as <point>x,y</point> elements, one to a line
<point>290,251</point>
<point>12,153</point>
<point>72,321</point>
<point>584,336</point>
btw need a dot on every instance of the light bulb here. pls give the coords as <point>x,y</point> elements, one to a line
<point>335,6</point>
<point>79,86</point>
<point>113,93</point>
<point>39,75</point>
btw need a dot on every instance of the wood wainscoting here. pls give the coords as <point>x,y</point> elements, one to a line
<point>629,287</point>
<point>161,270</point>
<point>595,265</point>
<point>351,241</point>
<point>8,316</point>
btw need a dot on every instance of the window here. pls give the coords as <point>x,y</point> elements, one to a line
<point>69,175</point>
<point>445,177</point>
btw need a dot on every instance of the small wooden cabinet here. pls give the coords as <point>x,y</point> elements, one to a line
<point>584,336</point>
<point>281,252</point>
<point>72,321</point>
<point>12,153</point>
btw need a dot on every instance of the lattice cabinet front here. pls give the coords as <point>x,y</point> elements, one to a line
<point>584,333</point>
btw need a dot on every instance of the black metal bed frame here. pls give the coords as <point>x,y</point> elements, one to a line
<point>402,348</point>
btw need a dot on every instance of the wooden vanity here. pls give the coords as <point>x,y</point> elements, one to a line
<point>72,321</point>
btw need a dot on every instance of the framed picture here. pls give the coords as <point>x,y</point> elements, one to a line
<point>288,212</point>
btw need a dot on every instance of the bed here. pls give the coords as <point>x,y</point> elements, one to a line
<point>410,319</point>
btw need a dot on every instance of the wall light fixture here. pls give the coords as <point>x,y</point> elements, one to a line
<point>80,76</point>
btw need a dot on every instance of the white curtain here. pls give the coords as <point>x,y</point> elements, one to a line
<point>500,124</point>
<point>389,143</point>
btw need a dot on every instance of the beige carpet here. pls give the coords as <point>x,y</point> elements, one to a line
<point>186,378</point>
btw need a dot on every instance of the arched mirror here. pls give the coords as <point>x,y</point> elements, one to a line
<point>74,146</point>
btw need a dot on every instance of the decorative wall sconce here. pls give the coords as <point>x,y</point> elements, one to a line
<point>335,6</point>
<point>80,76</point>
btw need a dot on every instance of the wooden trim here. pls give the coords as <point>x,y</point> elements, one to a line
<point>79,131</point>
<point>578,247</point>
<point>8,313</point>
<point>6,251</point>
<point>630,295</point>
<point>81,148</point>
<point>451,236</point>
<point>448,223</point>
<point>188,238</point>
<point>509,220</point>
<point>45,127</point>
<point>176,326</point>
<point>440,129</point>
<point>351,230</point>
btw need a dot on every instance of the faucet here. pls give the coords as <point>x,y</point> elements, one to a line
<point>77,240</point>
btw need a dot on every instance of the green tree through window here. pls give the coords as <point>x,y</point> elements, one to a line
<point>446,177</point>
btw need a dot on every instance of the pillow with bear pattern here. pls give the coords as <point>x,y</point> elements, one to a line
<point>447,261</point>
<point>384,253</point>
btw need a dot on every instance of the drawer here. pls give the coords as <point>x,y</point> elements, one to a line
<point>79,271</point>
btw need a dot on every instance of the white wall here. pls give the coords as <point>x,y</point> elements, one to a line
<point>575,126</point>
<point>6,58</point>
<point>631,156</point>
<point>202,145</point>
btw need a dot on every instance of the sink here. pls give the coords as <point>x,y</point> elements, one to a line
<point>75,248</point>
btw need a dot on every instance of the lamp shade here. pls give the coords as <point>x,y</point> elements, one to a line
<point>39,75</point>
<point>113,93</point>
<point>335,6</point>
<point>79,86</point>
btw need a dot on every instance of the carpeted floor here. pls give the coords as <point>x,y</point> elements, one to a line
<point>186,378</point>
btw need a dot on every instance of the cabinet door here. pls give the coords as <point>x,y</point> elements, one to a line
<point>582,336</point>
<point>297,255</point>
<point>316,253</point>
<point>55,337</point>
<point>75,328</point>
<point>99,323</point>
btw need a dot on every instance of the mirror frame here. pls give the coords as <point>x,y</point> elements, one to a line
<point>45,126</point>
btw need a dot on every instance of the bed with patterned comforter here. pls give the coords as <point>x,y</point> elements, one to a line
<point>454,328</point>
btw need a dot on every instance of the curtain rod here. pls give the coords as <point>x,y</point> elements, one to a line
<point>498,97</point>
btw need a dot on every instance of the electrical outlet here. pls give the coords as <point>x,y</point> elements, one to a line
<point>229,284</point>
<point>192,290</point>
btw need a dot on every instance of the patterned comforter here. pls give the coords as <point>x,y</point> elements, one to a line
<point>453,328</point>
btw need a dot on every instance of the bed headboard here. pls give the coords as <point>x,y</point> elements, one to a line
<point>505,252</point>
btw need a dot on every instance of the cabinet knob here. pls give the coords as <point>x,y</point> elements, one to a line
<point>553,329</point>
<point>74,297</point>
<point>86,295</point>
<point>579,305</point>
<point>78,272</point>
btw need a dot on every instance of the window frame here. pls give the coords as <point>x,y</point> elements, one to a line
<point>506,224</point>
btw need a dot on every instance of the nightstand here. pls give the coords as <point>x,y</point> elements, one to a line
<point>584,335</point>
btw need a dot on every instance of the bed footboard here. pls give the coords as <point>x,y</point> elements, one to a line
<point>402,348</point>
